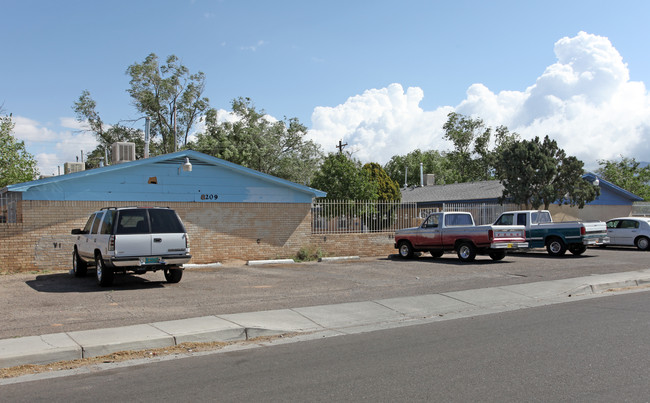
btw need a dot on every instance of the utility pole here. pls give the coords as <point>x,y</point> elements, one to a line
<point>340,146</point>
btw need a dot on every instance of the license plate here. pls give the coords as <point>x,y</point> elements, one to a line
<point>510,246</point>
<point>149,260</point>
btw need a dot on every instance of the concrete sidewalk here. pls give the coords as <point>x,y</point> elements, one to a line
<point>325,320</point>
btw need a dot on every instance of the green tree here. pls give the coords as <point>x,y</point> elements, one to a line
<point>253,140</point>
<point>106,135</point>
<point>16,164</point>
<point>387,189</point>
<point>378,216</point>
<point>170,96</point>
<point>433,162</point>
<point>474,157</point>
<point>539,173</point>
<point>627,174</point>
<point>471,140</point>
<point>343,178</point>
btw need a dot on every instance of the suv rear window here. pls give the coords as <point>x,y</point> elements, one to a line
<point>165,221</point>
<point>132,222</point>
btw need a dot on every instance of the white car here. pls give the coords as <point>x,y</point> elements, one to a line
<point>629,231</point>
<point>137,239</point>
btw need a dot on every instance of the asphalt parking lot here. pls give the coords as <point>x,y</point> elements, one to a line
<point>55,301</point>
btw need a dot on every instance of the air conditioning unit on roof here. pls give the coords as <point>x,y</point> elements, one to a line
<point>70,167</point>
<point>123,152</point>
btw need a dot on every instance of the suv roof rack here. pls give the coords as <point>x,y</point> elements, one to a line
<point>125,207</point>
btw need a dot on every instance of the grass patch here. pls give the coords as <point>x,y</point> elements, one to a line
<point>309,253</point>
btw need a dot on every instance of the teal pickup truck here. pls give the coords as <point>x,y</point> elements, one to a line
<point>557,237</point>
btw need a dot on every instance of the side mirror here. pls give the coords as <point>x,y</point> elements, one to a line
<point>77,231</point>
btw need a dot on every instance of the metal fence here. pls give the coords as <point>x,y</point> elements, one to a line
<point>359,216</point>
<point>483,213</point>
<point>641,209</point>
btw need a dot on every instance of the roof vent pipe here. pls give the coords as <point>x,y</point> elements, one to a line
<point>406,174</point>
<point>421,174</point>
<point>147,132</point>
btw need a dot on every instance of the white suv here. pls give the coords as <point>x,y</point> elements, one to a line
<point>137,239</point>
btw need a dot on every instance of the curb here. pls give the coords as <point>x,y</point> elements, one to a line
<point>344,318</point>
<point>274,261</point>
<point>201,266</point>
<point>338,259</point>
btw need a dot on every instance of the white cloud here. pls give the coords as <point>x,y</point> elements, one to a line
<point>585,101</point>
<point>254,48</point>
<point>380,123</point>
<point>52,148</point>
<point>72,123</point>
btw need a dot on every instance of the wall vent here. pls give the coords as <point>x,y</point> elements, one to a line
<point>123,152</point>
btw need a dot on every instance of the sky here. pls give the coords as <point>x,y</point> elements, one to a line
<point>379,75</point>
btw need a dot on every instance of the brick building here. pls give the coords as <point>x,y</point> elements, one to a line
<point>230,212</point>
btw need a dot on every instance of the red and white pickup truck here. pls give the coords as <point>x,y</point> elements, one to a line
<point>455,231</point>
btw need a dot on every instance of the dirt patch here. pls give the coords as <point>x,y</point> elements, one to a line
<point>183,349</point>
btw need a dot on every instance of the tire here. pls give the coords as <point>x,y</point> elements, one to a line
<point>436,252</point>
<point>79,266</point>
<point>497,254</point>
<point>466,252</point>
<point>405,250</point>
<point>105,275</point>
<point>173,275</point>
<point>642,243</point>
<point>577,249</point>
<point>555,247</point>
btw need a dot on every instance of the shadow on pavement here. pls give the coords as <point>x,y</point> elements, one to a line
<point>449,258</point>
<point>64,283</point>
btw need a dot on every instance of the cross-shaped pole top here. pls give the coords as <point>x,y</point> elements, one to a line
<point>340,146</point>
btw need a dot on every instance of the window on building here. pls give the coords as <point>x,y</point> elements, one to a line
<point>9,207</point>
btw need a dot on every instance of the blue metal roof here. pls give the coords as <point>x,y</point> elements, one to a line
<point>611,194</point>
<point>161,178</point>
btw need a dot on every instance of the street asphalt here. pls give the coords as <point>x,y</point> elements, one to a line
<point>315,321</point>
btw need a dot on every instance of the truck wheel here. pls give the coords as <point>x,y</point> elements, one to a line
<point>642,243</point>
<point>79,267</point>
<point>173,275</point>
<point>405,250</point>
<point>555,247</point>
<point>497,254</point>
<point>105,274</point>
<point>466,252</point>
<point>577,249</point>
<point>436,252</point>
